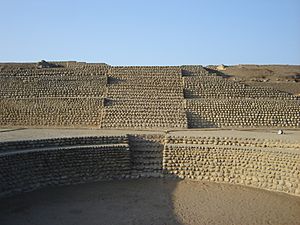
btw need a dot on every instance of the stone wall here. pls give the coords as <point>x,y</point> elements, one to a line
<point>193,70</point>
<point>11,146</point>
<point>32,164</point>
<point>243,113</point>
<point>146,155</point>
<point>234,141</point>
<point>68,96</point>
<point>62,162</point>
<point>51,112</point>
<point>217,87</point>
<point>52,83</point>
<point>261,167</point>
<point>140,114</point>
<point>78,94</point>
<point>144,97</point>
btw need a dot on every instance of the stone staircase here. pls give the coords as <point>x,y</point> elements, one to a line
<point>144,98</point>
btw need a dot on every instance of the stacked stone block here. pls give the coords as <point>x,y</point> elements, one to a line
<point>51,112</point>
<point>243,113</point>
<point>267,168</point>
<point>234,141</point>
<point>193,70</point>
<point>145,83</point>
<point>214,101</point>
<point>144,97</point>
<point>75,161</point>
<point>82,65</point>
<point>138,114</point>
<point>52,83</point>
<point>212,86</point>
<point>32,164</point>
<point>11,146</point>
<point>146,155</point>
<point>70,95</point>
<point>139,97</point>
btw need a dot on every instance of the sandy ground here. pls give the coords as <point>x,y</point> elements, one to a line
<point>150,201</point>
<point>290,135</point>
<point>281,77</point>
<point>15,134</point>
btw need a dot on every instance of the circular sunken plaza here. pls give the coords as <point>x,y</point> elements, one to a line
<point>84,143</point>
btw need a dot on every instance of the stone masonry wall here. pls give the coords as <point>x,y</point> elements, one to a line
<point>51,112</point>
<point>243,113</point>
<point>267,164</point>
<point>217,87</point>
<point>50,163</point>
<point>136,97</point>
<point>10,146</point>
<point>71,95</point>
<point>146,155</point>
<point>214,101</point>
<point>144,98</point>
<point>228,161</point>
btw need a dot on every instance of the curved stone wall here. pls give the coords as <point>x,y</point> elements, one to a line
<point>267,164</point>
<point>246,162</point>
<point>61,162</point>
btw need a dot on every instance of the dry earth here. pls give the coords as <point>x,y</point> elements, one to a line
<point>290,135</point>
<point>281,77</point>
<point>150,201</point>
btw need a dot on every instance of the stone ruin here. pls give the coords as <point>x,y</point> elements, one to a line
<point>75,94</point>
<point>32,164</point>
<point>84,95</point>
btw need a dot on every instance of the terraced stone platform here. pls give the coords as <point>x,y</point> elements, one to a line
<point>68,123</point>
<point>90,95</point>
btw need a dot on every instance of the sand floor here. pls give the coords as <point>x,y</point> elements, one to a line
<point>14,134</point>
<point>150,201</point>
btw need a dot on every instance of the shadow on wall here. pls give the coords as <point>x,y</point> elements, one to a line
<point>187,93</point>
<point>146,153</point>
<point>114,80</point>
<point>143,201</point>
<point>196,121</point>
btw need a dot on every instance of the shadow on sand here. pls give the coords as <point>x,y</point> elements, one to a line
<point>143,201</point>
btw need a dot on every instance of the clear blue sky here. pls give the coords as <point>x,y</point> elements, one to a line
<point>154,32</point>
